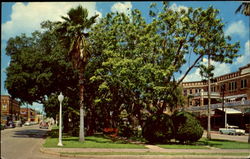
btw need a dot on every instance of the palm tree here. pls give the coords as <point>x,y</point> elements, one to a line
<point>244,8</point>
<point>73,32</point>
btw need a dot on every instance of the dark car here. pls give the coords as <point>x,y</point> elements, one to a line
<point>44,125</point>
<point>10,124</point>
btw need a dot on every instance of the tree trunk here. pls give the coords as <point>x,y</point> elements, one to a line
<point>209,104</point>
<point>81,131</point>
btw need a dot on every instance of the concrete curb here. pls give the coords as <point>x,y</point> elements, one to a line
<point>46,151</point>
<point>57,152</point>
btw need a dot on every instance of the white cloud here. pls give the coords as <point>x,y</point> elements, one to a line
<point>237,28</point>
<point>244,59</point>
<point>122,7</point>
<point>220,69</point>
<point>194,76</point>
<point>177,8</point>
<point>27,18</point>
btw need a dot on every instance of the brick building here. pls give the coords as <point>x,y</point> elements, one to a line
<point>230,87</point>
<point>230,91</point>
<point>28,114</point>
<point>10,109</point>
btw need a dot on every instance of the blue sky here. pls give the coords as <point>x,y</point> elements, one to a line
<point>26,17</point>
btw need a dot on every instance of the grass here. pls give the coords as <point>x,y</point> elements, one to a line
<point>153,153</point>
<point>204,143</point>
<point>97,141</point>
<point>224,144</point>
<point>102,141</point>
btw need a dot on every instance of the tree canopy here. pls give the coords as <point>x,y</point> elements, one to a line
<point>132,64</point>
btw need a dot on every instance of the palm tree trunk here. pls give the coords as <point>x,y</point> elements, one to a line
<point>81,131</point>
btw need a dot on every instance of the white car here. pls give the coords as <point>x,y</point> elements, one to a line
<point>27,123</point>
<point>232,130</point>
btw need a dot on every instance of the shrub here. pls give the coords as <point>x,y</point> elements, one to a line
<point>158,129</point>
<point>126,130</point>
<point>186,127</point>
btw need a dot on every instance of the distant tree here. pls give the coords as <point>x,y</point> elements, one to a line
<point>244,8</point>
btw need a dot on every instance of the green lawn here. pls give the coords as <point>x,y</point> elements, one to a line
<point>102,141</point>
<point>97,141</point>
<point>204,143</point>
<point>224,144</point>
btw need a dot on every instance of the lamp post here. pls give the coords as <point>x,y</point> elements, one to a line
<point>60,98</point>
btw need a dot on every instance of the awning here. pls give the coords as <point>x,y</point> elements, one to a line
<point>235,96</point>
<point>230,111</point>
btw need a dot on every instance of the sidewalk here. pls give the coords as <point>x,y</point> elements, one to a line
<point>151,148</point>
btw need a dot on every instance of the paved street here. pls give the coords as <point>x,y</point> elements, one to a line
<point>217,135</point>
<point>23,143</point>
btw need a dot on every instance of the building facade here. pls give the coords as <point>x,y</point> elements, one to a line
<point>10,109</point>
<point>229,91</point>
<point>230,87</point>
<point>28,114</point>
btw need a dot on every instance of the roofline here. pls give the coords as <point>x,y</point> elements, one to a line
<point>239,69</point>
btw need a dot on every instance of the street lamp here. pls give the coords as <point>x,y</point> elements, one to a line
<point>60,98</point>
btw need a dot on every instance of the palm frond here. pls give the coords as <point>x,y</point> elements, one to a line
<point>238,9</point>
<point>244,8</point>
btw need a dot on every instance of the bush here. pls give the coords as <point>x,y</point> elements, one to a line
<point>186,127</point>
<point>158,129</point>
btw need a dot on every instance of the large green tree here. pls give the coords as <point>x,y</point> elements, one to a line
<point>74,36</point>
<point>39,70</point>
<point>138,61</point>
<point>38,67</point>
<point>125,63</point>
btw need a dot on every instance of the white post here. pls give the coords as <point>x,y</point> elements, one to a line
<point>225,119</point>
<point>60,98</point>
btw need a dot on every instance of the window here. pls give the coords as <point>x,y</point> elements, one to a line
<point>232,86</point>
<point>244,83</point>
<point>190,91</point>
<point>213,89</point>
<point>4,106</point>
<point>185,92</point>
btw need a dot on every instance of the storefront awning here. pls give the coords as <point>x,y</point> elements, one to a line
<point>230,111</point>
<point>235,96</point>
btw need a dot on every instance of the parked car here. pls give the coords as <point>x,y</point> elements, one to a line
<point>232,130</point>
<point>10,124</point>
<point>44,125</point>
<point>18,123</point>
<point>33,123</point>
<point>27,123</point>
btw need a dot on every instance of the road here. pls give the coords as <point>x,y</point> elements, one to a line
<point>217,135</point>
<point>23,143</point>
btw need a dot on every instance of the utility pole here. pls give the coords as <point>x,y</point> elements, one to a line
<point>223,109</point>
<point>209,103</point>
